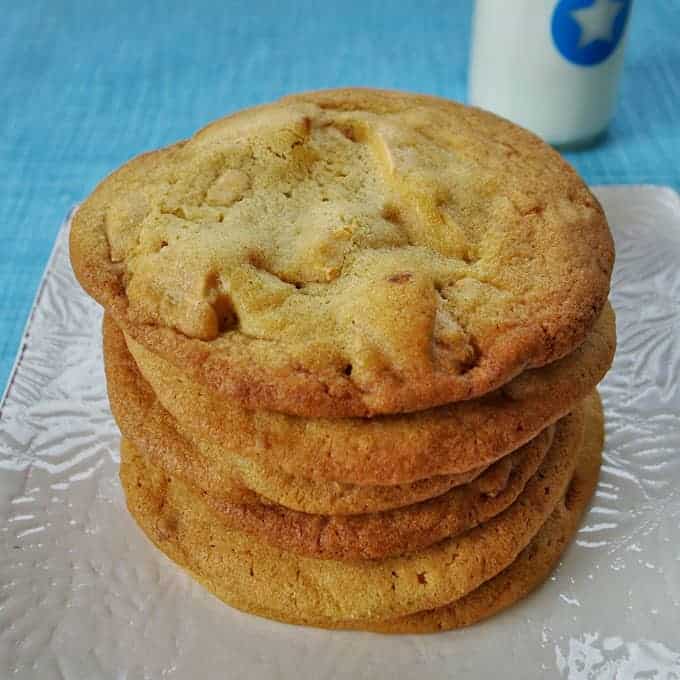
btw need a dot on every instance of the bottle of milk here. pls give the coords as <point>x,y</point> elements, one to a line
<point>549,65</point>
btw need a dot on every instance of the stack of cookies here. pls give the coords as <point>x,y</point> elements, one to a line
<point>352,340</point>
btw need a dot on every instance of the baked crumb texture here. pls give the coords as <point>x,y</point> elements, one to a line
<point>349,252</point>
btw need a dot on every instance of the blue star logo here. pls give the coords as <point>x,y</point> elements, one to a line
<point>586,32</point>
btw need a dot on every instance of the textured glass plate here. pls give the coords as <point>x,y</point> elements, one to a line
<point>84,595</point>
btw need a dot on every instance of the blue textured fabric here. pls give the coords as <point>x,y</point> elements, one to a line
<point>86,85</point>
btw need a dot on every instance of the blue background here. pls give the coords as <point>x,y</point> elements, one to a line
<point>86,85</point>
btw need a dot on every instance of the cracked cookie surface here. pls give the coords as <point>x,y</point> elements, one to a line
<point>349,252</point>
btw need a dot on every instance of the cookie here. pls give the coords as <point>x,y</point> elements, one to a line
<point>534,563</point>
<point>367,536</point>
<point>386,450</point>
<point>349,253</point>
<point>140,413</point>
<point>335,498</point>
<point>356,537</point>
<point>252,575</point>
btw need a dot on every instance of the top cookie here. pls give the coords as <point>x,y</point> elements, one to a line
<point>349,252</point>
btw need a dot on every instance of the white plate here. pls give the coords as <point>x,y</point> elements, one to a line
<point>84,595</point>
